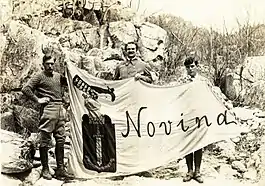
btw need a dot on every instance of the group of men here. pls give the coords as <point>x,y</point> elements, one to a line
<point>49,85</point>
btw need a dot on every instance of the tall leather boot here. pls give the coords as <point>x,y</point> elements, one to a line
<point>45,173</point>
<point>60,172</point>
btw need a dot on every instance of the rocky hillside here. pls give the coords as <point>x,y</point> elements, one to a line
<point>30,28</point>
<point>27,32</point>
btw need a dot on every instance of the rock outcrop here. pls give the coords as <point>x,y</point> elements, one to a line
<point>246,84</point>
<point>84,39</point>
<point>117,12</point>
<point>6,11</point>
<point>29,31</point>
<point>23,47</point>
<point>22,54</point>
<point>261,172</point>
<point>153,39</point>
<point>18,154</point>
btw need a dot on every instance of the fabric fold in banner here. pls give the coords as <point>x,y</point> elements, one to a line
<point>126,126</point>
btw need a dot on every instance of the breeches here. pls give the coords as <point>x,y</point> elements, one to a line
<point>52,121</point>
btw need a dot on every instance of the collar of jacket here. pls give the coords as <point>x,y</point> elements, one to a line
<point>128,60</point>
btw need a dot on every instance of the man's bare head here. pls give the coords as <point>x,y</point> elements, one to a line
<point>131,49</point>
<point>48,63</point>
<point>191,66</point>
<point>79,14</point>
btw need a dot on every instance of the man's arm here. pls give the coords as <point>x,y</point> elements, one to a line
<point>117,73</point>
<point>65,95</point>
<point>63,81</point>
<point>147,77</point>
<point>30,87</point>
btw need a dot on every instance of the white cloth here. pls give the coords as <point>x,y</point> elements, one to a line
<point>161,106</point>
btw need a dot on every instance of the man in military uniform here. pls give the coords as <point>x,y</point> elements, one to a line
<point>133,66</point>
<point>49,85</point>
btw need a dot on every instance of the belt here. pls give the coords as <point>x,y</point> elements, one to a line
<point>56,101</point>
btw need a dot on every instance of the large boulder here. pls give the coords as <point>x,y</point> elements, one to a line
<point>6,11</point>
<point>33,6</point>
<point>19,153</point>
<point>84,39</point>
<point>254,68</point>
<point>110,54</point>
<point>246,84</point>
<point>8,121</point>
<point>9,180</point>
<point>19,54</point>
<point>22,54</point>
<point>255,95</point>
<point>83,61</point>
<point>55,25</point>
<point>122,32</point>
<point>19,119</point>
<point>118,12</point>
<point>27,118</point>
<point>153,39</point>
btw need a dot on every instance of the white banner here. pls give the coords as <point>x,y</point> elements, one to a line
<point>140,126</point>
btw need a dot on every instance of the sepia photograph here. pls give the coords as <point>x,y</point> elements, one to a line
<point>132,92</point>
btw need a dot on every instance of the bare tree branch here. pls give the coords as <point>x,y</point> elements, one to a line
<point>177,37</point>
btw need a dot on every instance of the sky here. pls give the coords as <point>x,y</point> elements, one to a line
<point>207,13</point>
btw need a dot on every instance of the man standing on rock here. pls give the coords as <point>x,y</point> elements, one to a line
<point>49,85</point>
<point>133,66</point>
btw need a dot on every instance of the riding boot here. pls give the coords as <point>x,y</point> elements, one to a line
<point>60,172</point>
<point>45,173</point>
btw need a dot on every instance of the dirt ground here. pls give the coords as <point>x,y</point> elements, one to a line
<point>169,176</point>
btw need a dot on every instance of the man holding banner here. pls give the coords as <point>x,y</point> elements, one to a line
<point>133,66</point>
<point>191,67</point>
<point>177,123</point>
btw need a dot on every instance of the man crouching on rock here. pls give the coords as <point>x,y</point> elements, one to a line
<point>49,85</point>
